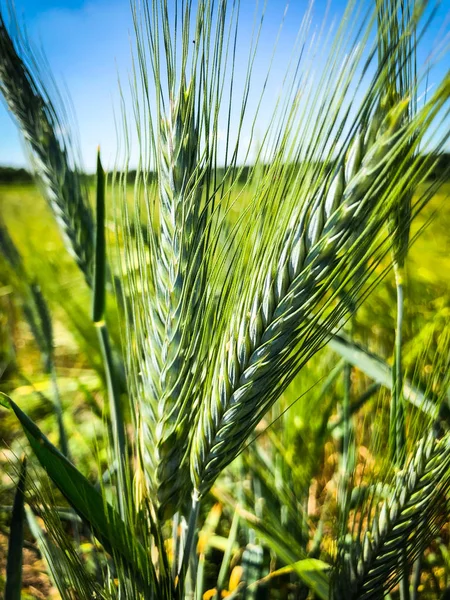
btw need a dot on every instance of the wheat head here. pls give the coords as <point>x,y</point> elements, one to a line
<point>371,566</point>
<point>50,151</point>
<point>329,238</point>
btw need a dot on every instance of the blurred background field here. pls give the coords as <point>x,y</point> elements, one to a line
<point>81,379</point>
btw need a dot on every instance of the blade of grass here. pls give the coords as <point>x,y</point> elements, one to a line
<point>98,296</point>
<point>311,570</point>
<point>89,504</point>
<point>14,561</point>
<point>227,554</point>
<point>98,314</point>
<point>378,370</point>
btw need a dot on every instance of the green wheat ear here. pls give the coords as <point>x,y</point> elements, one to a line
<point>168,353</point>
<point>51,152</point>
<point>320,248</point>
<point>270,285</point>
<point>372,565</point>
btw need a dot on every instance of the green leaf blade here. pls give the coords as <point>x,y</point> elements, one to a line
<point>89,504</point>
<point>315,573</point>
<point>98,306</point>
<point>15,547</point>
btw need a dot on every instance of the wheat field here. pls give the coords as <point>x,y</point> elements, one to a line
<point>229,381</point>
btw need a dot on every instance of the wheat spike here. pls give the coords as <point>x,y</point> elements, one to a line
<point>369,568</point>
<point>50,152</point>
<point>168,347</point>
<point>178,284</point>
<point>261,341</point>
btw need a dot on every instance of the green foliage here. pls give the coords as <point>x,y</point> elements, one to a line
<point>13,176</point>
<point>89,504</point>
<point>230,280</point>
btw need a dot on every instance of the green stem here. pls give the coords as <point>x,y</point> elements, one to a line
<point>117,424</point>
<point>98,315</point>
<point>417,571</point>
<point>397,416</point>
<point>404,581</point>
<point>200,577</point>
<point>397,440</point>
<point>189,544</point>
<point>346,420</point>
<point>63,443</point>
<point>225,565</point>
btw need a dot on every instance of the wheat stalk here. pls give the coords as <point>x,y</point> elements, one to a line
<point>270,287</point>
<point>50,151</point>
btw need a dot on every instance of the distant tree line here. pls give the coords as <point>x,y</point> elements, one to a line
<point>22,176</point>
<point>11,175</point>
<point>442,167</point>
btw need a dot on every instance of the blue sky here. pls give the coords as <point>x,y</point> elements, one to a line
<point>87,44</point>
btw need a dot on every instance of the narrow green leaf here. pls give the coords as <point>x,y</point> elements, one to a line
<point>14,560</point>
<point>224,567</point>
<point>98,306</point>
<point>313,572</point>
<point>4,401</point>
<point>89,504</point>
<point>380,372</point>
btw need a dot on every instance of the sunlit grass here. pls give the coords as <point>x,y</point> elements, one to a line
<point>35,231</point>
